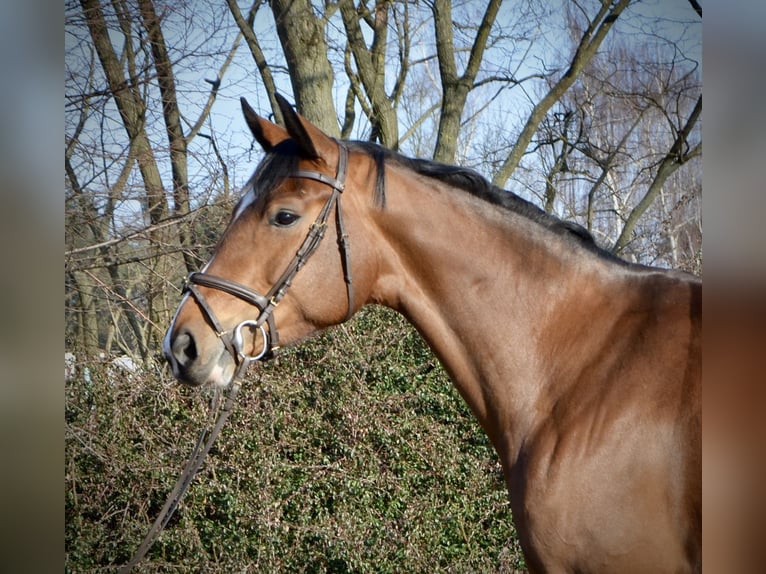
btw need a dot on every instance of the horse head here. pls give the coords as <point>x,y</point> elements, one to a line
<point>272,278</point>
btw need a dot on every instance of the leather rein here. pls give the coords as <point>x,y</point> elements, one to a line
<point>266,304</point>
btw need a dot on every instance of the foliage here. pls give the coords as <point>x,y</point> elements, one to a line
<point>336,459</point>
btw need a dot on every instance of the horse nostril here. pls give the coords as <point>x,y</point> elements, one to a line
<point>184,348</point>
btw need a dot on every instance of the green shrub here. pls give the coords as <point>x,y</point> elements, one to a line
<point>351,453</point>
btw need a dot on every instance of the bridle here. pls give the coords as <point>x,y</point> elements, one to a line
<point>266,304</point>
<point>264,322</point>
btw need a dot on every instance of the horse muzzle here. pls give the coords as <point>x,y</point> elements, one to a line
<point>196,362</point>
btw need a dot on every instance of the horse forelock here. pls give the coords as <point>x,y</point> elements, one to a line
<point>276,166</point>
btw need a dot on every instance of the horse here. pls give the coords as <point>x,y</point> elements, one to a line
<point>583,369</point>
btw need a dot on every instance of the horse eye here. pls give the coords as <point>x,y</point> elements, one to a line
<point>285,218</point>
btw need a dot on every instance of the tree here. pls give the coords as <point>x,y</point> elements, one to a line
<point>455,88</point>
<point>679,153</point>
<point>368,80</point>
<point>597,29</point>
<point>620,132</point>
<point>127,78</point>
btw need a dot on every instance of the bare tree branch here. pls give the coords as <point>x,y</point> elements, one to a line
<point>674,159</point>
<point>214,85</point>
<point>143,232</point>
<point>591,39</point>
<point>246,29</point>
<point>417,123</point>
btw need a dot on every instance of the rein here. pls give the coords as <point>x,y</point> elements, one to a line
<point>184,481</point>
<point>234,344</point>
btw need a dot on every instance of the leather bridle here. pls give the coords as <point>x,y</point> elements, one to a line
<point>266,304</point>
<point>235,343</point>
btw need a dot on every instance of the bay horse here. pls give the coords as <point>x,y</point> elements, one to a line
<point>584,370</point>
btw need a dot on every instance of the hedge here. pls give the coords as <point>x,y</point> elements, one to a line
<point>350,453</point>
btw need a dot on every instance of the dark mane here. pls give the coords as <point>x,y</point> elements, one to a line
<point>282,161</point>
<point>475,184</point>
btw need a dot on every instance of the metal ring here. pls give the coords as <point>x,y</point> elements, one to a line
<point>238,341</point>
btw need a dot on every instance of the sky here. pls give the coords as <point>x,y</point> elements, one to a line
<point>549,42</point>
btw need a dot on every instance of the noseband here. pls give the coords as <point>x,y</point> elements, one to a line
<point>266,304</point>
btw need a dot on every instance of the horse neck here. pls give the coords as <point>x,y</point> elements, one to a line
<point>485,287</point>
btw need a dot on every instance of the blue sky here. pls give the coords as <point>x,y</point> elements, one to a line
<point>544,44</point>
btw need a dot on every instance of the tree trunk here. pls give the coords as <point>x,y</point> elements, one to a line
<point>301,34</point>
<point>246,27</point>
<point>455,88</point>
<point>371,68</point>
<point>172,117</point>
<point>131,108</point>
<point>87,318</point>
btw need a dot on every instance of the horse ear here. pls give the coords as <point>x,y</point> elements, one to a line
<point>265,132</point>
<point>312,141</point>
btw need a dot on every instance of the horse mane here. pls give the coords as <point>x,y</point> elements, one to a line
<point>474,183</point>
<point>283,160</point>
